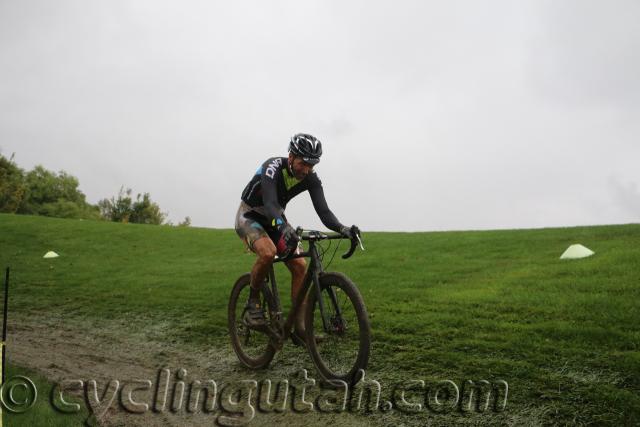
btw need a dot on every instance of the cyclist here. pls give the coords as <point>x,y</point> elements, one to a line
<point>261,222</point>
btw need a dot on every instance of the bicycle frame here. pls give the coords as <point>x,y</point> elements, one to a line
<point>312,277</point>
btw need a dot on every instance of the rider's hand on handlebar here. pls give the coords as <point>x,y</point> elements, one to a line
<point>350,232</point>
<point>289,235</point>
<point>288,240</point>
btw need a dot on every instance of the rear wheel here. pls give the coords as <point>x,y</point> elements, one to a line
<point>339,345</point>
<point>253,347</point>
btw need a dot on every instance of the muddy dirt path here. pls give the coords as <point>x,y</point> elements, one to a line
<point>135,351</point>
<point>129,350</point>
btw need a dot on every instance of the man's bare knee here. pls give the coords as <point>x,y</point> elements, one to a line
<point>265,249</point>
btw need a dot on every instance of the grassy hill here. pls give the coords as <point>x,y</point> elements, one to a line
<point>565,335</point>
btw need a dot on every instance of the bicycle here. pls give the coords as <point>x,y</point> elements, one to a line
<point>338,332</point>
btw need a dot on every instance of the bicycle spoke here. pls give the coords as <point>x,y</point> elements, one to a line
<point>339,349</point>
<point>251,345</point>
<point>345,300</point>
<point>247,335</point>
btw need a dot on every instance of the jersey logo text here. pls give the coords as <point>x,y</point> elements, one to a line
<point>271,168</point>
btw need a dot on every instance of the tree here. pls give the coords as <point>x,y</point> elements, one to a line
<point>124,209</point>
<point>42,192</point>
<point>146,212</point>
<point>186,222</point>
<point>117,210</point>
<point>55,194</point>
<point>12,186</point>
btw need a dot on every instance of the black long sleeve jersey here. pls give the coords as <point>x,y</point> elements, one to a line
<point>273,186</point>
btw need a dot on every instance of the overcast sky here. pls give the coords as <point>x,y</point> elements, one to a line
<point>433,115</point>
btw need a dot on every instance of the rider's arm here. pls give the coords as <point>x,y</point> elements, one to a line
<point>269,186</point>
<point>320,204</point>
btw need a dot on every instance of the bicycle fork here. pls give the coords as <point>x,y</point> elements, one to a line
<point>316,269</point>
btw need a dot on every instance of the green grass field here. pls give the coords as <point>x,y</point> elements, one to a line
<point>42,413</point>
<point>493,305</point>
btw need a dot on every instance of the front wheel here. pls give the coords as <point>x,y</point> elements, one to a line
<point>339,345</point>
<point>253,347</point>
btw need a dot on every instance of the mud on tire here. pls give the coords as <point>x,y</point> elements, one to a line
<point>341,352</point>
<point>252,347</point>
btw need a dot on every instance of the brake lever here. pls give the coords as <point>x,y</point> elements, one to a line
<point>360,241</point>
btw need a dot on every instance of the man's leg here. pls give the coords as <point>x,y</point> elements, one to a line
<point>266,251</point>
<point>256,238</point>
<point>298,267</point>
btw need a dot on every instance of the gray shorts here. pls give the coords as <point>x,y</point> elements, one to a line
<point>247,226</point>
<point>252,224</point>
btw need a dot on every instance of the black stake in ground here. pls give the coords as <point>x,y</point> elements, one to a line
<point>4,321</point>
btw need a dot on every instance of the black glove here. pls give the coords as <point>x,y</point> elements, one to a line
<point>288,239</point>
<point>350,232</point>
<point>289,234</point>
